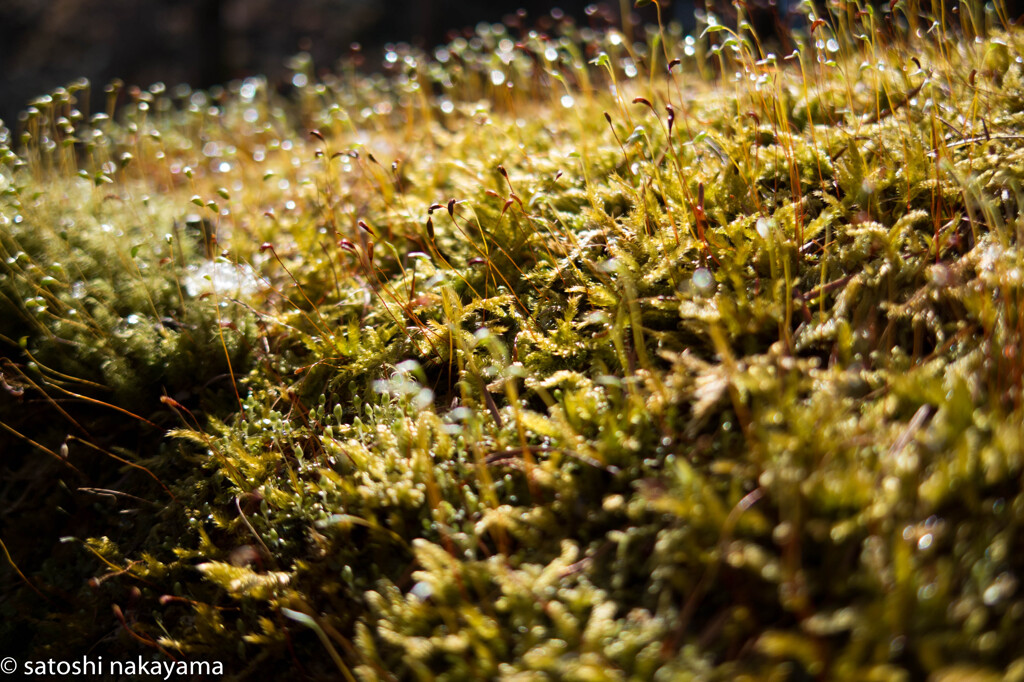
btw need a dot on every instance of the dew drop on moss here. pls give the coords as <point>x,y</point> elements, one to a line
<point>703,281</point>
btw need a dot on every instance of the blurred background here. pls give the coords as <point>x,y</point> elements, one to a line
<point>49,43</point>
<point>45,44</point>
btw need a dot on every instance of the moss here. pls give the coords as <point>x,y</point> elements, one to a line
<point>506,363</point>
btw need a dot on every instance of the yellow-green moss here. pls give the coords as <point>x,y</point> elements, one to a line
<point>532,358</point>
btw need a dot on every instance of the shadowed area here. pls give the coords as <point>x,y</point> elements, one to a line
<point>44,45</point>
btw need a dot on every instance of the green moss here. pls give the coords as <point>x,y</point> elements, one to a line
<point>509,364</point>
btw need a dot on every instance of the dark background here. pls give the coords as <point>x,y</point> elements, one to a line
<point>45,44</point>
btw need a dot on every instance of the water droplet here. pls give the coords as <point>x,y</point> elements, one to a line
<point>763,227</point>
<point>703,281</point>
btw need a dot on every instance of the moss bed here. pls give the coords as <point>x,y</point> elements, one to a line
<point>585,354</point>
